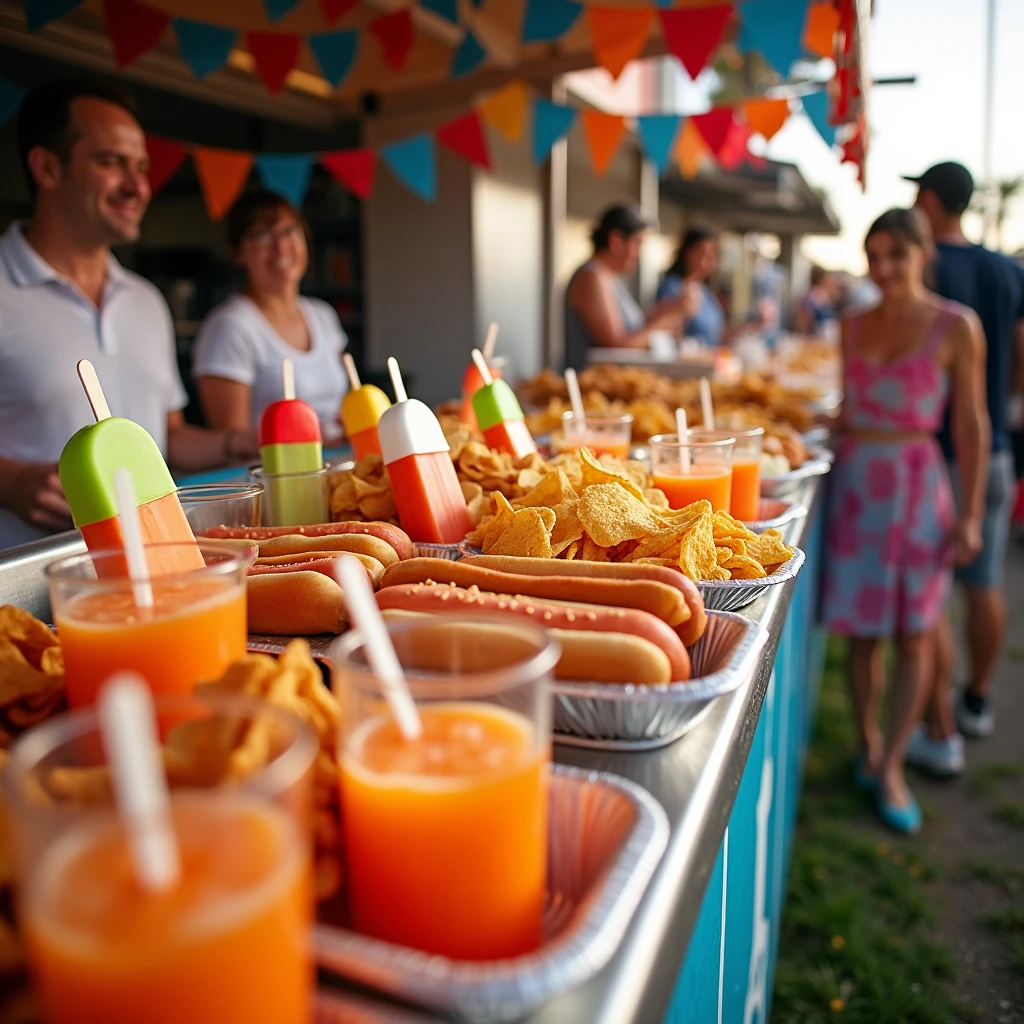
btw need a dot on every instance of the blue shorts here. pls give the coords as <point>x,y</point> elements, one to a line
<point>988,569</point>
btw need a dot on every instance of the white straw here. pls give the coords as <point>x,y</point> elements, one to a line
<point>380,652</point>
<point>396,380</point>
<point>706,408</point>
<point>684,436</point>
<point>131,533</point>
<point>350,369</point>
<point>481,365</point>
<point>491,341</point>
<point>128,726</point>
<point>288,379</point>
<point>575,396</point>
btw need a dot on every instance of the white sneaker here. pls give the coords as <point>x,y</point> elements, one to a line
<point>937,757</point>
<point>977,724</point>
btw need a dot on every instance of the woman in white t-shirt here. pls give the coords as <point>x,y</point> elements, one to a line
<point>243,342</point>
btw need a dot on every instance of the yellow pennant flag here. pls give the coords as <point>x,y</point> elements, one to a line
<point>505,110</point>
<point>690,149</point>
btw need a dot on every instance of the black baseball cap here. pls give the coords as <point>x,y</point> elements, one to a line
<point>950,181</point>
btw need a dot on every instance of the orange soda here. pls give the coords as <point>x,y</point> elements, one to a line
<point>745,500</point>
<point>709,483</point>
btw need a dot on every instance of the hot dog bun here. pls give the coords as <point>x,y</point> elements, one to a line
<point>299,603</point>
<point>392,535</point>
<point>315,561</point>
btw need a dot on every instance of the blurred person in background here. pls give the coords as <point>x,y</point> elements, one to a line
<point>817,311</point>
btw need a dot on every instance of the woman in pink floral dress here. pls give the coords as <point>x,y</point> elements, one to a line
<point>893,532</point>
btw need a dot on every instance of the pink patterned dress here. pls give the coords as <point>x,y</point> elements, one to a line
<point>891,509</point>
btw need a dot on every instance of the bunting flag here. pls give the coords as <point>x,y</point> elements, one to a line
<point>820,30</point>
<point>395,35</point>
<point>353,168</point>
<point>602,132</point>
<point>414,162</point>
<point>775,28</point>
<point>550,122</point>
<point>39,13</point>
<point>335,52</point>
<point>133,28</point>
<point>766,117</point>
<point>277,9</point>
<point>287,175</point>
<point>690,149</point>
<point>465,136</point>
<point>544,21</point>
<point>222,175</point>
<point>619,34</point>
<point>447,9</point>
<point>734,149</point>
<point>275,54</point>
<point>816,108</point>
<point>657,133</point>
<point>714,127</point>
<point>11,95</point>
<point>505,110</point>
<point>165,157</point>
<point>334,10</point>
<point>204,48</point>
<point>693,35</point>
<point>468,57</point>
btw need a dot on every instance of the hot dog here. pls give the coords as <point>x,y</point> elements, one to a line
<point>392,535</point>
<point>295,603</point>
<point>315,561</point>
<point>600,644</point>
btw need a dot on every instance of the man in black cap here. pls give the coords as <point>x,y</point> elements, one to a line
<point>993,287</point>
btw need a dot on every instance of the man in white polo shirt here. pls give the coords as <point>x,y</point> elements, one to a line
<point>64,297</point>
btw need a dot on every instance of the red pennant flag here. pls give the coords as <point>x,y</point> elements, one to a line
<point>165,157</point>
<point>332,10</point>
<point>275,54</point>
<point>692,35</point>
<point>465,136</point>
<point>714,127</point>
<point>395,35</point>
<point>734,149</point>
<point>353,168</point>
<point>619,34</point>
<point>133,28</point>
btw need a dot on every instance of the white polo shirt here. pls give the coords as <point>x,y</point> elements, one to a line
<point>46,326</point>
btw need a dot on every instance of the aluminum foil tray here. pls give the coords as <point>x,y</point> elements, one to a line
<point>775,513</point>
<point>451,552</point>
<point>819,463</point>
<point>732,595</point>
<point>607,837</point>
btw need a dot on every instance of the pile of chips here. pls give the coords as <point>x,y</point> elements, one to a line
<point>31,673</point>
<point>604,513</point>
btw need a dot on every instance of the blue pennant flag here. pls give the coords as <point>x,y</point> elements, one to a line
<point>277,9</point>
<point>664,3</point>
<point>816,108</point>
<point>657,133</point>
<point>41,12</point>
<point>447,9</point>
<point>550,122</point>
<point>414,163</point>
<point>468,57</point>
<point>287,175</point>
<point>548,20</point>
<point>11,95</point>
<point>775,28</point>
<point>204,48</point>
<point>335,52</point>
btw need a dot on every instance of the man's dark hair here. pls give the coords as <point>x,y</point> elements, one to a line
<point>818,274</point>
<point>45,116</point>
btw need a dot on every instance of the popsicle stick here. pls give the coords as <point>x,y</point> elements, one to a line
<point>380,652</point>
<point>572,384</point>
<point>288,379</point>
<point>706,408</point>
<point>128,726</point>
<point>91,382</point>
<point>684,436</point>
<point>491,340</point>
<point>350,369</point>
<point>131,532</point>
<point>396,380</point>
<point>481,365</point>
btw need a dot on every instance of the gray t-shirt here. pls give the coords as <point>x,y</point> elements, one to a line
<point>578,340</point>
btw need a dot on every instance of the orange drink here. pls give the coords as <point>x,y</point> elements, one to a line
<point>603,435</point>
<point>684,489</point>
<point>745,502</point>
<point>693,470</point>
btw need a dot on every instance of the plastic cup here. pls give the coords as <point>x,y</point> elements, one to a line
<point>446,836</point>
<point>195,629</point>
<point>693,471</point>
<point>745,493</point>
<point>603,435</point>
<point>208,505</point>
<point>230,941</point>
<point>294,499</point>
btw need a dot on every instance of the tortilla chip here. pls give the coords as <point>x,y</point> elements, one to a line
<point>529,534</point>
<point>769,548</point>
<point>552,490</point>
<point>567,529</point>
<point>611,514</point>
<point>741,567</point>
<point>593,473</point>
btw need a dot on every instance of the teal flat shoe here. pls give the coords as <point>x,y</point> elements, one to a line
<point>905,820</point>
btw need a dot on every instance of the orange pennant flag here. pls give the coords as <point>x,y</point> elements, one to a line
<point>602,132</point>
<point>505,110</point>
<point>766,117</point>
<point>619,34</point>
<point>690,149</point>
<point>222,175</point>
<point>820,28</point>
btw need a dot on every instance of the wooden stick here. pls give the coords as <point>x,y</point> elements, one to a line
<point>350,369</point>
<point>684,437</point>
<point>288,379</point>
<point>481,365</point>
<point>93,390</point>
<point>706,408</point>
<point>396,380</point>
<point>491,341</point>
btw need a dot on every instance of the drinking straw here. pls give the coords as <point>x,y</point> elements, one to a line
<point>491,341</point>
<point>706,408</point>
<point>288,379</point>
<point>350,369</point>
<point>131,532</point>
<point>396,380</point>
<point>575,396</point>
<point>481,365</point>
<point>380,652</point>
<point>684,437</point>
<point>128,727</point>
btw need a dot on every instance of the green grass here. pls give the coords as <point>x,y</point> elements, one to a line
<point>1005,875</point>
<point>1011,813</point>
<point>986,778</point>
<point>856,942</point>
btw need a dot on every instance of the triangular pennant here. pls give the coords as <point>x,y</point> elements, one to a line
<point>816,107</point>
<point>821,27</point>
<point>505,110</point>
<point>775,28</point>
<point>41,12</point>
<point>133,28</point>
<point>547,20</point>
<point>693,35</point>
<point>465,136</point>
<point>204,48</point>
<point>766,117</point>
<point>353,168</point>
<point>332,10</point>
<point>468,57</point>
<point>414,163</point>
<point>619,34</point>
<point>447,9</point>
<point>222,175</point>
<point>734,149</point>
<point>690,149</point>
<point>11,95</point>
<point>275,54</point>
<point>335,52</point>
<point>602,132</point>
<point>165,157</point>
<point>550,122</point>
<point>394,32</point>
<point>714,126</point>
<point>286,174</point>
<point>277,9</point>
<point>657,133</point>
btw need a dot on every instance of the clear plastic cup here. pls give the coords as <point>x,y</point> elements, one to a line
<point>693,471</point>
<point>603,435</point>
<point>294,499</point>
<point>745,491</point>
<point>208,505</point>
